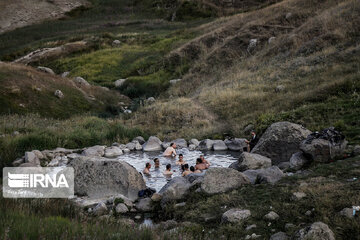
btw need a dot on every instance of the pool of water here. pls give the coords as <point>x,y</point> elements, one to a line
<point>157,180</point>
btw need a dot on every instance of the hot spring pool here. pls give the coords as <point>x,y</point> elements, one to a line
<point>157,180</point>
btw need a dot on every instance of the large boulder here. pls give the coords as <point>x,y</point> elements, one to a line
<point>174,190</point>
<point>113,151</point>
<point>235,215</point>
<point>134,145</point>
<point>298,161</point>
<point>206,144</point>
<point>251,161</point>
<point>194,141</point>
<point>140,139</point>
<point>152,144</point>
<point>219,180</point>
<point>219,145</point>
<point>95,151</point>
<point>81,81</point>
<point>180,143</point>
<point>280,141</point>
<point>324,146</point>
<point>99,177</point>
<point>144,205</point>
<point>318,231</point>
<point>30,157</point>
<point>236,144</point>
<point>269,175</point>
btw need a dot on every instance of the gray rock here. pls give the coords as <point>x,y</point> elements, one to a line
<point>100,209</point>
<point>347,212</point>
<point>81,81</point>
<point>219,145</point>
<point>323,151</point>
<point>356,151</point>
<point>116,43</point>
<point>18,162</point>
<point>144,205</point>
<point>192,147</point>
<point>271,216</point>
<point>15,133</point>
<point>28,165</point>
<point>152,144</point>
<point>58,93</point>
<point>248,228</point>
<point>140,139</point>
<point>289,226</point>
<point>271,40</point>
<point>252,161</point>
<point>150,100</point>
<point>121,208</point>
<point>194,176</point>
<point>180,143</point>
<point>176,189</point>
<point>279,88</point>
<point>219,180</point>
<point>173,81</point>
<point>95,151</point>
<point>298,196</point>
<point>308,213</point>
<point>206,144</point>
<point>46,70</point>
<point>165,145</point>
<point>318,231</point>
<point>99,177</point>
<point>284,166</point>
<point>280,141</point>
<point>194,142</point>
<point>118,83</point>
<point>298,161</point>
<point>279,236</point>
<point>38,154</point>
<point>269,175</point>
<point>252,45</point>
<point>156,197</point>
<point>288,15</point>
<point>65,74</point>
<point>30,157</point>
<point>236,144</point>
<point>134,145</point>
<point>235,215</point>
<point>112,152</point>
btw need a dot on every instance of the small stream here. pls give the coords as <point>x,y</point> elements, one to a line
<point>157,180</point>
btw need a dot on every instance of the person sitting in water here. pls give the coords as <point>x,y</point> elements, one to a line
<point>200,165</point>
<point>193,170</point>
<point>147,168</point>
<point>157,163</point>
<point>186,170</point>
<point>254,140</point>
<point>170,151</point>
<point>204,160</point>
<point>168,171</point>
<point>181,160</point>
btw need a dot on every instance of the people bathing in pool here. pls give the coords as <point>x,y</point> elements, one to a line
<point>147,168</point>
<point>170,151</point>
<point>181,160</point>
<point>186,170</point>
<point>156,163</point>
<point>193,170</point>
<point>204,160</point>
<point>200,165</point>
<point>168,172</point>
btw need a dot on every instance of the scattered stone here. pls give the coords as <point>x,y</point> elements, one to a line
<point>150,100</point>
<point>180,143</point>
<point>235,215</point>
<point>58,93</point>
<point>15,133</point>
<point>298,196</point>
<point>219,180</point>
<point>356,151</point>
<point>169,224</point>
<point>118,83</point>
<point>38,154</point>
<point>280,141</point>
<point>116,43</point>
<point>206,144</point>
<point>308,213</point>
<point>289,226</point>
<point>173,81</point>
<point>219,145</point>
<point>81,81</point>
<point>252,236</point>
<point>140,139</point>
<point>248,228</point>
<point>347,212</point>
<point>317,230</point>
<point>252,161</point>
<point>100,209</point>
<point>46,70</point>
<point>65,74</point>
<point>288,15</point>
<point>30,157</point>
<point>134,145</point>
<point>112,152</point>
<point>271,216</point>
<point>271,40</point>
<point>192,147</point>
<point>127,111</point>
<point>98,177</point>
<point>324,146</point>
<point>176,189</point>
<point>252,45</point>
<point>144,205</point>
<point>194,142</point>
<point>279,236</point>
<point>95,151</point>
<point>269,175</point>
<point>137,217</point>
<point>152,144</point>
<point>279,88</point>
<point>182,204</point>
<point>298,161</point>
<point>236,144</point>
<point>18,162</point>
<point>121,208</point>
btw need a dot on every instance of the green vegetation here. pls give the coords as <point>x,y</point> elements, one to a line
<point>41,133</point>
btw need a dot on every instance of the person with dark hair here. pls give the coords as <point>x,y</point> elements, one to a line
<point>147,168</point>
<point>186,170</point>
<point>170,151</point>
<point>157,162</point>
<point>200,165</point>
<point>253,141</point>
<point>168,171</point>
<point>181,160</point>
<point>204,160</point>
<point>192,169</point>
